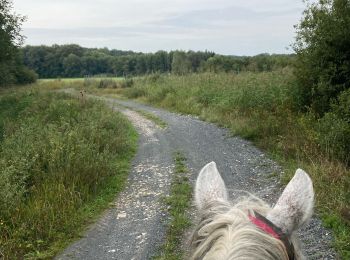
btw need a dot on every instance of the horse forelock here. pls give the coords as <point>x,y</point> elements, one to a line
<point>226,232</point>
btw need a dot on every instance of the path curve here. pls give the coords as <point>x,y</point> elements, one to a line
<point>135,227</point>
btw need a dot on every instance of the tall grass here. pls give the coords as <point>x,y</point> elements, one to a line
<point>61,162</point>
<point>263,107</point>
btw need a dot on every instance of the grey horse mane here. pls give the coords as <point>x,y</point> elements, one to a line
<point>226,232</point>
<point>246,229</point>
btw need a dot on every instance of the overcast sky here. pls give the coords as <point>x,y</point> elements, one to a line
<point>238,27</point>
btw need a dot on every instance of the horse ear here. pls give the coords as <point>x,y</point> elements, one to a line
<point>209,186</point>
<point>295,206</point>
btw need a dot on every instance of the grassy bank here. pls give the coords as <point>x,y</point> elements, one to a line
<point>178,202</point>
<point>262,107</point>
<point>61,162</point>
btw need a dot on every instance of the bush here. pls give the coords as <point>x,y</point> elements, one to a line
<point>154,77</point>
<point>107,83</point>
<point>342,106</point>
<point>18,74</point>
<point>127,83</point>
<point>25,75</point>
<point>6,75</point>
<point>134,92</point>
<point>323,53</point>
<point>334,136</point>
<point>334,128</point>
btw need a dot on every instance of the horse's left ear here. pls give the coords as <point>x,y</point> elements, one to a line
<point>295,206</point>
<point>209,186</point>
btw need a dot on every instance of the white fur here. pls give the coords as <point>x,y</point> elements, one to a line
<point>209,186</point>
<point>295,205</point>
<point>225,231</point>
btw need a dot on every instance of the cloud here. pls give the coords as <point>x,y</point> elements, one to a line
<point>242,27</point>
<point>228,15</point>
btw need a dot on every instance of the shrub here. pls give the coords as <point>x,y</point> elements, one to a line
<point>323,53</point>
<point>334,136</point>
<point>6,75</point>
<point>107,83</point>
<point>341,107</point>
<point>134,92</point>
<point>154,77</point>
<point>25,75</point>
<point>127,83</point>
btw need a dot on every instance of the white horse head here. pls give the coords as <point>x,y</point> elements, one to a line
<point>250,229</point>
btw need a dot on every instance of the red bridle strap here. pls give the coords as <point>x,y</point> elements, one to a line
<point>264,226</point>
<point>267,226</point>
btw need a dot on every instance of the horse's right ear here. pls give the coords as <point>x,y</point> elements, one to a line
<point>209,186</point>
<point>295,205</point>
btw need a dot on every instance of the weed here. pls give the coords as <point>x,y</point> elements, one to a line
<point>178,202</point>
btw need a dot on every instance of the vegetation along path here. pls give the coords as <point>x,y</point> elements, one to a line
<point>134,227</point>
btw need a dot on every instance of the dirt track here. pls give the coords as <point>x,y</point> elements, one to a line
<point>135,226</point>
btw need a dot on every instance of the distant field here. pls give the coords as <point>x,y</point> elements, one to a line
<point>81,79</point>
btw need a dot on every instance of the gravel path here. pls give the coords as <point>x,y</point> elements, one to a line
<point>135,227</point>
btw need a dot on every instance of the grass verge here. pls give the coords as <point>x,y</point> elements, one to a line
<point>178,202</point>
<point>62,161</point>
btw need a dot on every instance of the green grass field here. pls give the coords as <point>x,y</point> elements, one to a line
<point>62,161</point>
<point>68,80</point>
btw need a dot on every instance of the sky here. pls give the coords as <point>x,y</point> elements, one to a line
<point>231,27</point>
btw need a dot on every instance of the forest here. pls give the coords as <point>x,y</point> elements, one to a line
<point>72,60</point>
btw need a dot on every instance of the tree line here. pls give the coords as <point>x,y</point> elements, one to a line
<point>72,60</point>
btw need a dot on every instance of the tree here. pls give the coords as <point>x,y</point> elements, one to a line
<point>11,67</point>
<point>72,66</point>
<point>10,27</point>
<point>180,64</point>
<point>323,53</point>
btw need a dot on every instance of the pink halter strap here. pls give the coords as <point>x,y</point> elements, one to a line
<point>267,226</point>
<point>264,226</point>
